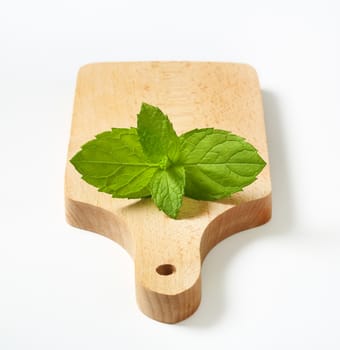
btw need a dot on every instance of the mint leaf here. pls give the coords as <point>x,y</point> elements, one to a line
<point>167,189</point>
<point>156,134</point>
<point>204,164</point>
<point>217,163</point>
<point>115,163</point>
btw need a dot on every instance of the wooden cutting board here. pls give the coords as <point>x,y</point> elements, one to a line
<point>167,253</point>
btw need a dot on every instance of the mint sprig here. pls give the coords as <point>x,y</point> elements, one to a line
<point>204,164</point>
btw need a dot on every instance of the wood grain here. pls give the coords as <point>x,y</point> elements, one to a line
<point>168,254</point>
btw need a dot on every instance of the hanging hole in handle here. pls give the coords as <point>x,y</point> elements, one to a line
<point>165,269</point>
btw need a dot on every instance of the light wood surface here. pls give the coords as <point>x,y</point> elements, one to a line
<point>168,253</point>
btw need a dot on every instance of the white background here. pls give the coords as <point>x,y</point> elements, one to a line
<point>274,287</point>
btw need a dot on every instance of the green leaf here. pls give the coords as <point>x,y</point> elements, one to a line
<point>115,163</point>
<point>204,164</point>
<point>217,163</point>
<point>156,134</point>
<point>167,189</point>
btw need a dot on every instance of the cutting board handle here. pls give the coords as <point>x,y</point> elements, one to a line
<point>168,308</point>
